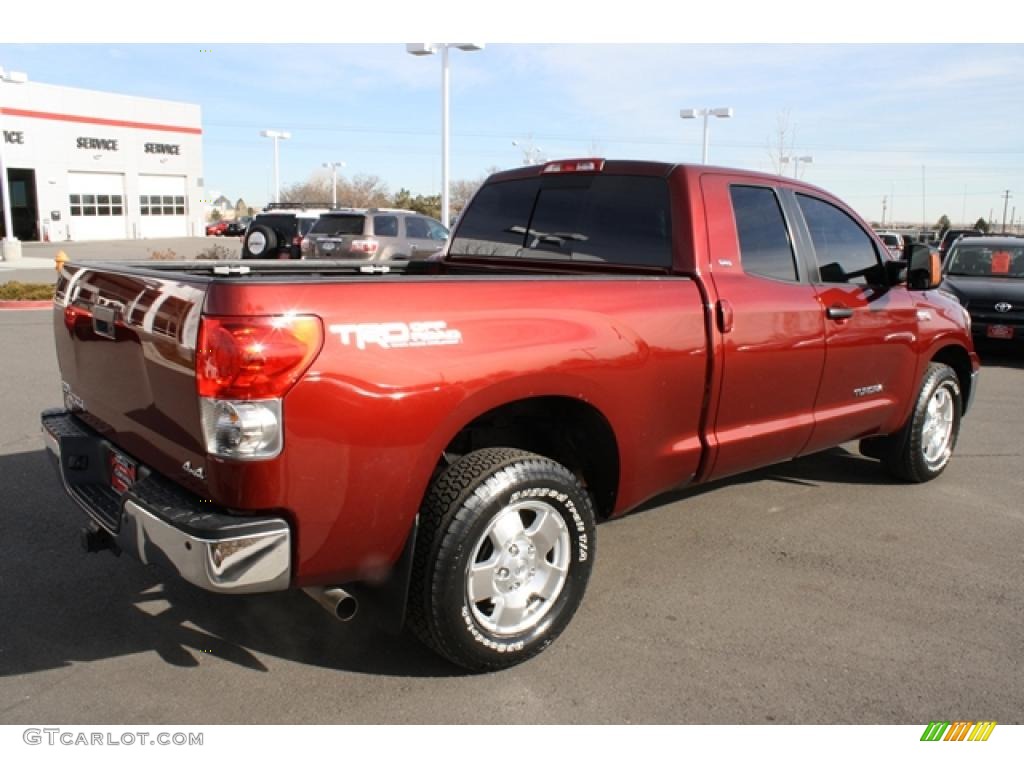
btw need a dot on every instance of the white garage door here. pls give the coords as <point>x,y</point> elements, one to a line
<point>162,207</point>
<point>97,206</point>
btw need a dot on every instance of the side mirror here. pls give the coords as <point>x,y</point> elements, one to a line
<point>925,270</point>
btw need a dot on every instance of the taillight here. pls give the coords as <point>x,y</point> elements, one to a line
<point>304,245</point>
<point>586,165</point>
<point>364,246</point>
<point>253,358</point>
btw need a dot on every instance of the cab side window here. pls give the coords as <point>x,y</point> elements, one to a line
<point>765,247</point>
<point>844,252</point>
<point>416,228</point>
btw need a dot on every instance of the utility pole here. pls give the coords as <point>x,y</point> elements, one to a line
<point>1006,199</point>
<point>884,201</point>
<point>924,215</point>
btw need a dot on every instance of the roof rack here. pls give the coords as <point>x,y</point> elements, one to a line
<point>301,206</point>
<point>389,210</point>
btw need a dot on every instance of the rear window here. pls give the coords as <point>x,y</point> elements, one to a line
<point>892,241</point>
<point>614,219</point>
<point>332,226</point>
<point>279,222</point>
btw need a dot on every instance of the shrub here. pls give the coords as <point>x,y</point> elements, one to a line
<point>15,291</point>
<point>216,252</point>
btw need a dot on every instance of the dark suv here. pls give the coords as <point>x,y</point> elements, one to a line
<point>374,234</point>
<point>986,274</point>
<point>277,232</point>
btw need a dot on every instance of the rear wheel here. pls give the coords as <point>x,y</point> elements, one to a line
<point>503,557</point>
<point>922,449</point>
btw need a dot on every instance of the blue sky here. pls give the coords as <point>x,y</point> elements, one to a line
<point>870,115</point>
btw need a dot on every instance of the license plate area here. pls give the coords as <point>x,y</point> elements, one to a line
<point>999,331</point>
<point>123,472</point>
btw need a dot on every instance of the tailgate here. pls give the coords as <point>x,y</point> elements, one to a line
<point>126,348</point>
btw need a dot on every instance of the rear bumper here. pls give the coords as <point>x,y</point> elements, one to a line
<point>158,522</point>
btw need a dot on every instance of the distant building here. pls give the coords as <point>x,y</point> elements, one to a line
<point>91,165</point>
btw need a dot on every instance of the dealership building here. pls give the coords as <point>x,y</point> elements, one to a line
<point>90,165</point>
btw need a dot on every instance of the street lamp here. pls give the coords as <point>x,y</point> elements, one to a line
<point>531,155</point>
<point>10,250</point>
<point>276,136</point>
<point>428,49</point>
<point>689,114</point>
<point>334,166</point>
<point>796,162</point>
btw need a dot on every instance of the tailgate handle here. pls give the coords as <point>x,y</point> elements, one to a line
<point>724,315</point>
<point>837,312</point>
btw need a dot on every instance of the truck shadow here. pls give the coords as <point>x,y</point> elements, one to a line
<point>835,465</point>
<point>59,606</point>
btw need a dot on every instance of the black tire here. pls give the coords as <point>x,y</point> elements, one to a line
<point>268,237</point>
<point>908,455</point>
<point>459,527</point>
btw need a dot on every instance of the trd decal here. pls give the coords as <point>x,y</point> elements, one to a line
<point>425,333</point>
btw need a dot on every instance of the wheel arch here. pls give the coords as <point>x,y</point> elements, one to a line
<point>957,358</point>
<point>570,431</point>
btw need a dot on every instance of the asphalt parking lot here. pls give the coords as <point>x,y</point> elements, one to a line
<point>815,591</point>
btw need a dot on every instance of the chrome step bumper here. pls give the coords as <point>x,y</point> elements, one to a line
<point>155,521</point>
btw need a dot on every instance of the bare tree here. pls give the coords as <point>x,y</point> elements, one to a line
<point>316,189</point>
<point>778,152</point>
<point>460,192</point>
<point>364,191</point>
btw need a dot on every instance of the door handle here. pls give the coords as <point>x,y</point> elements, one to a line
<point>725,315</point>
<point>839,313</point>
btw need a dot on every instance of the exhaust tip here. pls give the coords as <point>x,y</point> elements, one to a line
<point>335,600</point>
<point>346,608</point>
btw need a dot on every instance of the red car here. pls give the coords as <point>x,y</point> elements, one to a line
<point>216,228</point>
<point>435,440</point>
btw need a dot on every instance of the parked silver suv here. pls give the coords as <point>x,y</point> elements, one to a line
<point>373,234</point>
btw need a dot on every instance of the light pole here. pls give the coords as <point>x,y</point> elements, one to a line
<point>334,166</point>
<point>276,136</point>
<point>690,114</point>
<point>531,155</point>
<point>428,49</point>
<point>796,162</point>
<point>10,250</point>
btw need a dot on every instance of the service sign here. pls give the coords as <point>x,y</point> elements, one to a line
<point>88,142</point>
<point>162,149</point>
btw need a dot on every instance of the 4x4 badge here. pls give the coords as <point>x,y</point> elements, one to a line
<point>197,472</point>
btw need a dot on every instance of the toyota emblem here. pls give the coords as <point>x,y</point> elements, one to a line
<point>1003,306</point>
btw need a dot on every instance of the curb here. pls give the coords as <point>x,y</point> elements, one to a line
<point>48,304</point>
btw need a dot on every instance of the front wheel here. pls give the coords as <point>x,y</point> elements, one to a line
<point>922,449</point>
<point>504,552</point>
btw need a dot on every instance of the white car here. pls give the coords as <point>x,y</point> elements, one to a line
<point>895,242</point>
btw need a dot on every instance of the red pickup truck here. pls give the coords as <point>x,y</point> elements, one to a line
<point>434,441</point>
